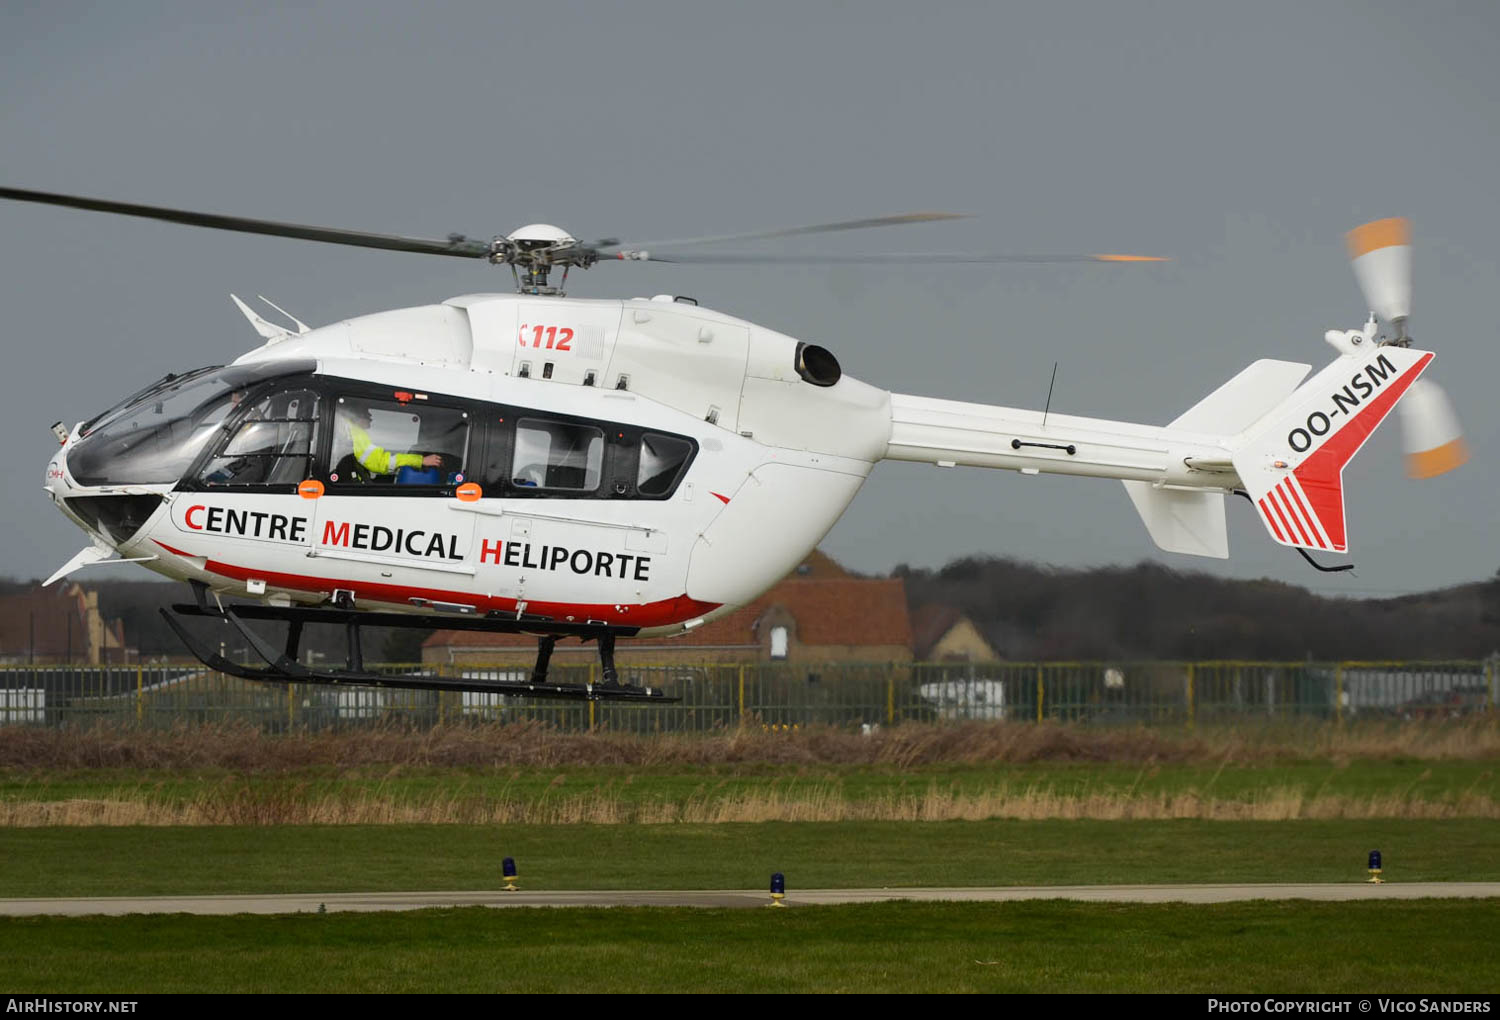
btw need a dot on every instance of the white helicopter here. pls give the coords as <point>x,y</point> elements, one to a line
<point>608,468</point>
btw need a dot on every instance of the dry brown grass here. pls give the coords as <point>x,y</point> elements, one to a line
<point>266,776</point>
<point>245,749</point>
<point>241,803</point>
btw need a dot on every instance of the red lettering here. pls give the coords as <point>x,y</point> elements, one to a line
<point>187,518</point>
<point>486,551</point>
<point>551,337</point>
<point>332,536</point>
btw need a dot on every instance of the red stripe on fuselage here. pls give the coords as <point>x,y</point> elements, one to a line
<point>1288,519</point>
<point>1269,515</point>
<point>1301,507</point>
<point>649,614</point>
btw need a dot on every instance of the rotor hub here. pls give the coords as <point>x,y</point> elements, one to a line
<point>533,250</point>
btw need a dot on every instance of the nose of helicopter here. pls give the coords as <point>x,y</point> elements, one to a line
<point>57,475</point>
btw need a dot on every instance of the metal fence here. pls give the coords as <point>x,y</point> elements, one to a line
<point>773,695</point>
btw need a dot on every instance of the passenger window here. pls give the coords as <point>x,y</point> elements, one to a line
<point>380,442</point>
<point>555,455</point>
<point>272,444</point>
<point>661,464</point>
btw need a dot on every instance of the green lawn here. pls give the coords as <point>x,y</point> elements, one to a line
<point>117,861</point>
<point>1052,946</point>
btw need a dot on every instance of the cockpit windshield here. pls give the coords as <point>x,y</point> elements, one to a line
<point>155,436</point>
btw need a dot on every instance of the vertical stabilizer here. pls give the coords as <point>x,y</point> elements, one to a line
<point>1292,463</point>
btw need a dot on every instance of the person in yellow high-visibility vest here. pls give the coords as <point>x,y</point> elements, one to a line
<point>355,419</point>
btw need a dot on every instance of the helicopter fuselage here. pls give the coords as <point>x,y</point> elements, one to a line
<point>768,461</point>
<point>638,465</point>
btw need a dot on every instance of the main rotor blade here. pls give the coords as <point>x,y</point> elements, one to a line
<point>455,244</point>
<point>821,228</point>
<point>891,258</point>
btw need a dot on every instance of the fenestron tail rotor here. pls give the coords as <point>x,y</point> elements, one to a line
<point>1380,252</point>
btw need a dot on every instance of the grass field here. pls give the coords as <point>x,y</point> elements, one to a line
<point>1049,946</point>
<point>107,813</point>
<point>117,861</point>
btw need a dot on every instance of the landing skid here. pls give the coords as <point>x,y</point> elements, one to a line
<point>282,666</point>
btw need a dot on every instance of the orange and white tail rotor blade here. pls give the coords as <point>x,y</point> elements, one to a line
<point>1431,435</point>
<point>1381,252</point>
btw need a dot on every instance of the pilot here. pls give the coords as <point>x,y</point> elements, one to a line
<point>355,419</point>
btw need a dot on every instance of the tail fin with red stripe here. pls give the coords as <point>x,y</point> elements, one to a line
<point>1292,460</point>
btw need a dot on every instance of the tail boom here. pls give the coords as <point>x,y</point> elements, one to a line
<point>1285,445</point>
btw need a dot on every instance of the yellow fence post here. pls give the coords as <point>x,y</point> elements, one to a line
<point>1039,694</point>
<point>742,694</point>
<point>1338,694</point>
<point>592,702</point>
<point>890,700</point>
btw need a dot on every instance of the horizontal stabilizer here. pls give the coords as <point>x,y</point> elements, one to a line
<point>1192,521</point>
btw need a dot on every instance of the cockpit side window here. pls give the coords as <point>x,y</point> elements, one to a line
<point>271,442</point>
<point>380,443</point>
<point>662,462</point>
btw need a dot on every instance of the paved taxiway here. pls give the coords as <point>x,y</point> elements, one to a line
<point>292,903</point>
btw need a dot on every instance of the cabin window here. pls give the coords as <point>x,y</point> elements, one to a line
<point>271,442</point>
<point>556,455</point>
<point>662,461</point>
<point>390,442</point>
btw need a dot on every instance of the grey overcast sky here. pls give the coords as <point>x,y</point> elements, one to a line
<point>1241,139</point>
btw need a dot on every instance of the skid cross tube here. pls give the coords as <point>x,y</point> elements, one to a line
<point>282,666</point>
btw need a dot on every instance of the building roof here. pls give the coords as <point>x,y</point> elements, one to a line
<point>831,609</point>
<point>928,625</point>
